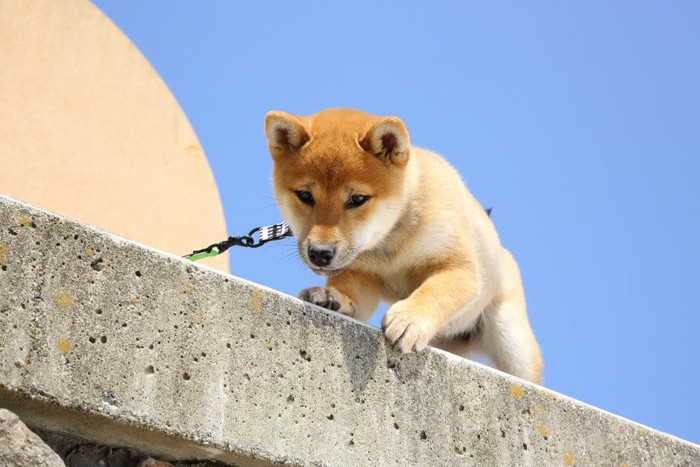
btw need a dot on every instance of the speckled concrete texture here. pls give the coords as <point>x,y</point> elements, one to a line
<point>119,344</point>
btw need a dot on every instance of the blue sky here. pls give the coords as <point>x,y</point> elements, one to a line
<point>578,122</point>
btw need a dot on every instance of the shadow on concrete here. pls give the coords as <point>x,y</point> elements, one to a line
<point>363,347</point>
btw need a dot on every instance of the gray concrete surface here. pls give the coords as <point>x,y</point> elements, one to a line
<point>116,343</point>
<point>19,447</point>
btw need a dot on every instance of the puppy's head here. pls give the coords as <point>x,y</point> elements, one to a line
<point>339,180</point>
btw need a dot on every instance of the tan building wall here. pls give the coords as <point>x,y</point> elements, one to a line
<point>89,130</point>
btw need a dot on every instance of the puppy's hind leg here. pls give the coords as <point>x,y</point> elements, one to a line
<point>506,337</point>
<point>508,341</point>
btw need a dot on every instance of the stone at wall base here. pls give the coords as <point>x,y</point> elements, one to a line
<point>20,447</point>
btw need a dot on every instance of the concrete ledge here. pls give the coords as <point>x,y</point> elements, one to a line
<point>115,343</point>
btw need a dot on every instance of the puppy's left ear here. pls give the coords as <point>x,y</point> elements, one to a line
<point>388,139</point>
<point>285,133</point>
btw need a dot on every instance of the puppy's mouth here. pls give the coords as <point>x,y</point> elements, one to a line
<point>327,272</point>
<point>338,264</point>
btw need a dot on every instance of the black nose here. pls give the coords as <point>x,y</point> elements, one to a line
<point>321,255</point>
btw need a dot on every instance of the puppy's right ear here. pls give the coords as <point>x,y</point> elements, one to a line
<point>285,133</point>
<point>388,139</point>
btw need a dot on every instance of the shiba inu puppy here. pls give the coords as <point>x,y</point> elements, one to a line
<point>384,220</point>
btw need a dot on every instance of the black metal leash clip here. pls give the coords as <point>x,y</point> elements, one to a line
<point>265,234</point>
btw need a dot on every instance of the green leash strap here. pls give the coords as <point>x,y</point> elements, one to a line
<point>197,256</point>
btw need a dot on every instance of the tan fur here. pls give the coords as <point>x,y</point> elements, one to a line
<point>421,242</point>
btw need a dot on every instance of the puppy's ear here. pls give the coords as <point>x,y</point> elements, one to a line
<point>285,133</point>
<point>388,139</point>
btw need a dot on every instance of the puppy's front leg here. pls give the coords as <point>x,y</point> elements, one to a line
<point>351,293</point>
<point>411,323</point>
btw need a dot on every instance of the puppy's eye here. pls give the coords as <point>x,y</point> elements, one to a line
<point>305,197</point>
<point>356,200</point>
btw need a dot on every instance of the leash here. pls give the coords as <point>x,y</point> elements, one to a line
<point>265,234</point>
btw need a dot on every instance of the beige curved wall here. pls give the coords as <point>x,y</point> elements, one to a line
<point>89,130</point>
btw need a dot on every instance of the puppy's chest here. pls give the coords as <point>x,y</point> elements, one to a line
<point>397,287</point>
<point>396,282</point>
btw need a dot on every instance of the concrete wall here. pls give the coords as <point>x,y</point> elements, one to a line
<point>88,129</point>
<point>119,344</point>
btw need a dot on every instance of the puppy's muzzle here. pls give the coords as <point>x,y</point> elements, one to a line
<point>321,255</point>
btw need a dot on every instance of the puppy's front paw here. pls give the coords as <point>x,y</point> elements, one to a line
<point>407,330</point>
<point>328,297</point>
